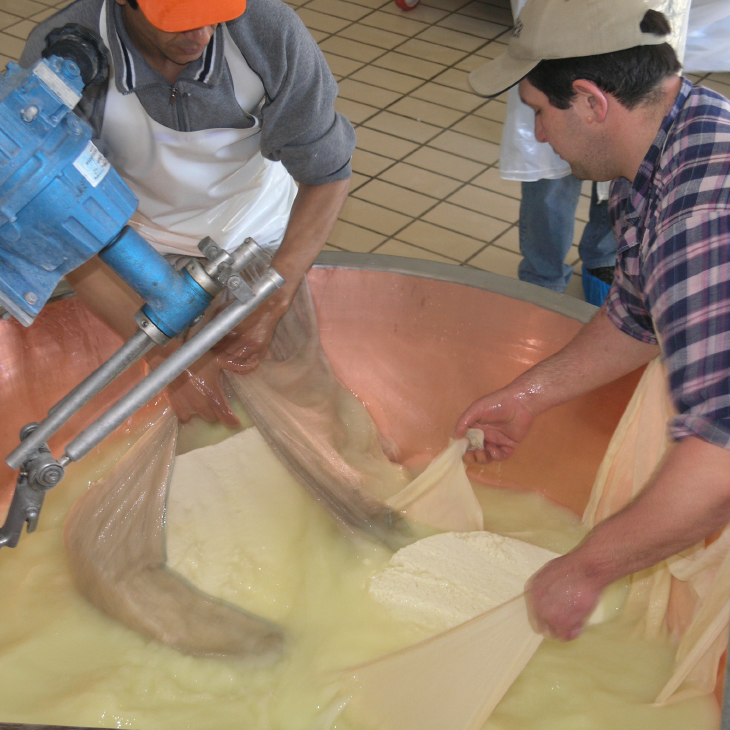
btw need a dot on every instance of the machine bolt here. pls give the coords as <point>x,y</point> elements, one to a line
<point>234,282</point>
<point>73,124</point>
<point>30,113</point>
<point>50,475</point>
<point>30,297</point>
<point>70,69</point>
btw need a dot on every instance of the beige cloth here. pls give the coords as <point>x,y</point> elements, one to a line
<point>442,495</point>
<point>115,537</point>
<point>115,542</point>
<point>318,428</point>
<point>453,680</point>
<point>689,594</point>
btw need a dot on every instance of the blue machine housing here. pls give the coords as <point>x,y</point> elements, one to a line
<point>173,299</point>
<point>61,203</point>
<point>54,214</point>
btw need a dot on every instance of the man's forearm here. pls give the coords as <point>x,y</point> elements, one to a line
<point>688,499</point>
<point>312,219</point>
<point>598,354</point>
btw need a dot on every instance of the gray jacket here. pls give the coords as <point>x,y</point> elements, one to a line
<point>299,124</point>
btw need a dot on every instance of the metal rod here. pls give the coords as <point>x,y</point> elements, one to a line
<point>135,347</point>
<point>194,348</point>
<point>125,356</point>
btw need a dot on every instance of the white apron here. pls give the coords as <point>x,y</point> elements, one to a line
<point>212,182</point>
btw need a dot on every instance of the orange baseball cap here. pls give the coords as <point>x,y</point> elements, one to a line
<point>176,16</point>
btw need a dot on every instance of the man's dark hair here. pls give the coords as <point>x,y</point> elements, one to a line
<point>632,76</point>
<point>133,4</point>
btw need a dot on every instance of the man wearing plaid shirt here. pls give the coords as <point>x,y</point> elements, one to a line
<point>606,93</point>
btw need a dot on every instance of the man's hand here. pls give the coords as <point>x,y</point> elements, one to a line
<point>505,419</point>
<point>598,354</point>
<point>561,596</point>
<point>244,346</point>
<point>312,219</point>
<point>197,391</point>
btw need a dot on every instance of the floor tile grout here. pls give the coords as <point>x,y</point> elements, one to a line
<point>395,162</point>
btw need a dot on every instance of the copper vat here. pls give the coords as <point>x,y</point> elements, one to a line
<point>416,341</point>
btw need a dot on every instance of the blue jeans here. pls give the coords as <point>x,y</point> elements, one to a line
<point>547,222</point>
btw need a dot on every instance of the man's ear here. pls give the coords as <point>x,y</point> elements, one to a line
<point>590,102</point>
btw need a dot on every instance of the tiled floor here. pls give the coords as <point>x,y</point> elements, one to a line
<point>426,180</point>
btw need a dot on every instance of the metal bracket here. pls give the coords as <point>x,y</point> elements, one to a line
<point>38,474</point>
<point>153,332</point>
<point>249,259</point>
<point>239,288</point>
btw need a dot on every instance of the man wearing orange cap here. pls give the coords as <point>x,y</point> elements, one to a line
<point>211,114</point>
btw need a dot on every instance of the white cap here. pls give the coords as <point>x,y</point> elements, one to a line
<point>548,29</point>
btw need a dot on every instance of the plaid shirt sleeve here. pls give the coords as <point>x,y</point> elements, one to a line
<point>689,295</point>
<point>673,276</point>
<point>686,300</point>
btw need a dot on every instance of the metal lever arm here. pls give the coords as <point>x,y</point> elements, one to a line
<point>194,348</point>
<point>128,354</point>
<point>40,471</point>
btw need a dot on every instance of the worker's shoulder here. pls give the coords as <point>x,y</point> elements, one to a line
<point>267,21</point>
<point>694,168</point>
<point>83,12</point>
<point>700,136</point>
<point>704,118</point>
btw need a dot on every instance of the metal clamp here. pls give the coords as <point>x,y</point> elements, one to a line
<point>222,265</point>
<point>202,278</point>
<point>151,330</point>
<point>38,474</point>
<point>239,288</point>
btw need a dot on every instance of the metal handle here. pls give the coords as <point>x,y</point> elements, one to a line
<point>194,348</point>
<point>127,354</point>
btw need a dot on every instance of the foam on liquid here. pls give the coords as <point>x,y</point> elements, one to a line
<point>63,662</point>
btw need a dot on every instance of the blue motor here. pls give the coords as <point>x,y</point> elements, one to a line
<point>61,202</point>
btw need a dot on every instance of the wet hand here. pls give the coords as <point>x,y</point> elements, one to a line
<point>198,391</point>
<point>242,348</point>
<point>561,597</point>
<point>505,420</point>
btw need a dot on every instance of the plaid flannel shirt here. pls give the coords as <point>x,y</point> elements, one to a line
<point>673,272</point>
